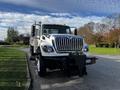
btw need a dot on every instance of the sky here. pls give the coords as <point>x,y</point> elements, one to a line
<point>21,14</point>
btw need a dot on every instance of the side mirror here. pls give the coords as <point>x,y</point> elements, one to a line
<point>75,32</point>
<point>33,30</point>
<point>43,37</point>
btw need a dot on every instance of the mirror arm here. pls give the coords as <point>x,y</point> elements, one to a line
<point>75,32</point>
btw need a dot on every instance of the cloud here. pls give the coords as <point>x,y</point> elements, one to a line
<point>21,2</point>
<point>71,6</point>
<point>3,33</point>
<point>23,22</point>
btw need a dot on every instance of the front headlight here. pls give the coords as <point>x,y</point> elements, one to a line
<point>86,49</point>
<point>47,48</point>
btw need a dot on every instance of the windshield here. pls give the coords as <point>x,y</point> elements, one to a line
<point>56,29</point>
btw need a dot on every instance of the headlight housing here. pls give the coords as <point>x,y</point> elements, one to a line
<point>86,49</point>
<point>47,48</point>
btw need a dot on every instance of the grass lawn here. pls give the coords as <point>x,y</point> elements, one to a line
<point>13,72</point>
<point>104,51</point>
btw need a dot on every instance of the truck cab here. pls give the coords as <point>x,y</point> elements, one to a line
<point>55,46</point>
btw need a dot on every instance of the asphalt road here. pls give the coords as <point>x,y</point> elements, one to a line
<point>104,75</point>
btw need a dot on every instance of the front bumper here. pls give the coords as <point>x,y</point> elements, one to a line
<point>89,60</point>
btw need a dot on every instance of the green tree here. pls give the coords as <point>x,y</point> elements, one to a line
<point>12,35</point>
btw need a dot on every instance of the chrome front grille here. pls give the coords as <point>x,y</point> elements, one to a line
<point>64,44</point>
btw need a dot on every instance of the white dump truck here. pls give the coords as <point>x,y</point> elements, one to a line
<point>55,46</point>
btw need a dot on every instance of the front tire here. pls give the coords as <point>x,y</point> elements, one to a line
<point>82,66</point>
<point>41,69</point>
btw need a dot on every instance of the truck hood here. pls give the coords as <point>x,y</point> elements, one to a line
<point>64,35</point>
<point>52,37</point>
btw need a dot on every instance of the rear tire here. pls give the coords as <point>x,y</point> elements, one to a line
<point>41,69</point>
<point>32,56</point>
<point>31,50</point>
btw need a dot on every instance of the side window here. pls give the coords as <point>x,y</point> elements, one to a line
<point>45,31</point>
<point>33,31</point>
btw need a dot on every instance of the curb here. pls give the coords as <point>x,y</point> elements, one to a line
<point>29,80</point>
